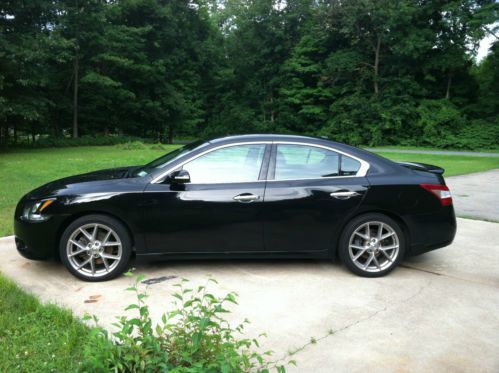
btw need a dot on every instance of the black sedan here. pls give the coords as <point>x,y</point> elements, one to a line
<point>268,196</point>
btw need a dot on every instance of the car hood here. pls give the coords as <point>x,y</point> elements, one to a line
<point>55,187</point>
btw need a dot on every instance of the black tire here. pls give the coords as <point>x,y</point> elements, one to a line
<point>375,221</point>
<point>120,234</point>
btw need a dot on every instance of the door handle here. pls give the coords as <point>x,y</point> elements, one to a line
<point>246,197</point>
<point>344,195</point>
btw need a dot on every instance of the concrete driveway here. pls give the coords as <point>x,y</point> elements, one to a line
<point>439,312</point>
<point>476,195</point>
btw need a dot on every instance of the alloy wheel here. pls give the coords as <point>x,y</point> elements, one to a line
<point>374,246</point>
<point>94,250</point>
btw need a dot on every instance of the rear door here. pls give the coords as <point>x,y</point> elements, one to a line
<point>311,190</point>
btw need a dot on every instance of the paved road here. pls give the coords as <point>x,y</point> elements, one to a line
<point>442,152</point>
<point>438,313</point>
<point>476,195</point>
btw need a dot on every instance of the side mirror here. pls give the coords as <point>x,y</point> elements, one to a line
<point>180,177</point>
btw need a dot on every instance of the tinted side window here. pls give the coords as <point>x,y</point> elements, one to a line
<point>349,166</point>
<point>240,163</point>
<point>301,161</point>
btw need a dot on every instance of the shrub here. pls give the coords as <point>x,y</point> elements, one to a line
<point>157,146</point>
<point>132,145</point>
<point>194,337</point>
<point>59,142</point>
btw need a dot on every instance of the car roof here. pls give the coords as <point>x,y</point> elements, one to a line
<point>262,137</point>
<point>377,163</point>
<point>275,137</point>
<point>292,138</point>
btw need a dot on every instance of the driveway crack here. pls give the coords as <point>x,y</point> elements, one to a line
<point>331,332</point>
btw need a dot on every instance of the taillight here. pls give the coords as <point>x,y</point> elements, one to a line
<point>442,192</point>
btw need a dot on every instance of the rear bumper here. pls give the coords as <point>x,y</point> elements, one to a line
<point>431,231</point>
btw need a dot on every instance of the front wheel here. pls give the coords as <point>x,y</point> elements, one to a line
<point>95,248</point>
<point>372,245</point>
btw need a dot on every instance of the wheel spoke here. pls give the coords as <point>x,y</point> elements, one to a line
<point>361,235</point>
<point>380,231</point>
<point>357,247</point>
<point>106,264</point>
<point>387,256</point>
<point>77,244</point>
<point>368,261</point>
<point>84,263</point>
<point>109,256</point>
<point>391,247</point>
<point>376,262</point>
<point>359,254</point>
<point>386,235</point>
<point>104,241</point>
<point>92,265</point>
<point>94,232</point>
<point>86,234</point>
<point>111,244</point>
<point>77,253</point>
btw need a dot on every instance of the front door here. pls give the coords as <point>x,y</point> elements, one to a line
<point>218,210</point>
<point>311,191</point>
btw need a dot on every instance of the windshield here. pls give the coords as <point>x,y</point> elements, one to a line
<point>167,159</point>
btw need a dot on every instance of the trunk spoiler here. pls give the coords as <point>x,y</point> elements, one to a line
<point>423,167</point>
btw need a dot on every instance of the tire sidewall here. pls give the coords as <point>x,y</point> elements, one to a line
<point>352,226</point>
<point>114,224</point>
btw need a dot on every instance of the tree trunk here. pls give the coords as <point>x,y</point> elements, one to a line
<point>4,134</point>
<point>170,135</point>
<point>449,83</point>
<point>15,134</point>
<point>272,112</point>
<point>376,65</point>
<point>55,130</point>
<point>75,96</point>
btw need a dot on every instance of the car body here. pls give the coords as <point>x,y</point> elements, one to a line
<point>243,196</point>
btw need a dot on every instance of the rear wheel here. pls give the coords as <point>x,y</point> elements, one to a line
<point>95,248</point>
<point>372,245</point>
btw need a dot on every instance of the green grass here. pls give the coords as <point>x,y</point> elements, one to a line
<point>453,164</point>
<point>36,337</point>
<point>24,170</point>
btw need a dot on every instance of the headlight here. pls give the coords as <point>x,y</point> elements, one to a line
<point>33,211</point>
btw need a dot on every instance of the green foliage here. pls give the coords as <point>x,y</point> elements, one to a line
<point>37,337</point>
<point>132,145</point>
<point>59,142</point>
<point>194,337</point>
<point>361,71</point>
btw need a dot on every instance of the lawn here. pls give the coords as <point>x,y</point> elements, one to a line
<point>36,337</point>
<point>453,164</point>
<point>23,170</point>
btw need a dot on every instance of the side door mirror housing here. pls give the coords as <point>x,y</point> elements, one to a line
<point>180,177</point>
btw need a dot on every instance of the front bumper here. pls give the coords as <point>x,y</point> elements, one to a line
<point>37,240</point>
